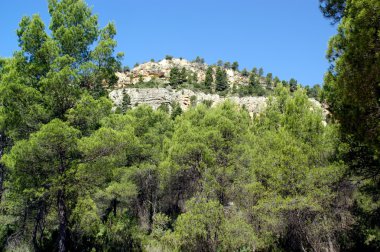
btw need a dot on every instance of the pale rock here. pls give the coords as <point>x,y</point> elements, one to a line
<point>154,97</point>
<point>161,72</point>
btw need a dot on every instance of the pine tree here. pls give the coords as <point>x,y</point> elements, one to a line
<point>183,75</point>
<point>221,81</point>
<point>261,72</point>
<point>252,81</point>
<point>209,79</point>
<point>235,66</point>
<point>268,80</point>
<point>45,163</point>
<point>244,72</point>
<point>293,84</point>
<point>175,77</point>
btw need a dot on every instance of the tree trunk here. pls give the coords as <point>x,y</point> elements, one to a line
<point>2,168</point>
<point>62,221</point>
<point>2,175</point>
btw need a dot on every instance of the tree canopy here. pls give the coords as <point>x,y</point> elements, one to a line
<point>78,173</point>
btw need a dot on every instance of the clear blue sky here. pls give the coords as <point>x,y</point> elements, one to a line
<point>287,38</point>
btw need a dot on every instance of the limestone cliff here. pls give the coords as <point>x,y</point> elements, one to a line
<point>161,71</point>
<point>154,97</point>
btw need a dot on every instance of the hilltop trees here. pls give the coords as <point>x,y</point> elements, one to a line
<point>293,84</point>
<point>199,60</point>
<point>245,72</point>
<point>235,66</point>
<point>260,72</point>
<point>227,65</point>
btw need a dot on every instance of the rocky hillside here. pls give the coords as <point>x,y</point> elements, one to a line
<point>160,71</point>
<point>127,93</point>
<point>185,98</point>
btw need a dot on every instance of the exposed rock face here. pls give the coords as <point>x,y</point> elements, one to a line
<point>161,71</point>
<point>154,97</point>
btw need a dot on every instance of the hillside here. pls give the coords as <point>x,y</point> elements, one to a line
<point>149,83</point>
<point>160,71</point>
<point>183,156</point>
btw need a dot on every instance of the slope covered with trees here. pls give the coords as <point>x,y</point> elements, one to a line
<point>352,88</point>
<point>77,175</point>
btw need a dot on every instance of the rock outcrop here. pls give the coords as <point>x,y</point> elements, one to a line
<point>154,97</point>
<point>160,71</point>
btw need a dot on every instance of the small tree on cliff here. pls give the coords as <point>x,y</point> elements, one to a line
<point>175,77</point>
<point>209,79</point>
<point>221,80</point>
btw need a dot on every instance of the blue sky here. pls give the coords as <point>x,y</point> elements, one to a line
<point>287,38</point>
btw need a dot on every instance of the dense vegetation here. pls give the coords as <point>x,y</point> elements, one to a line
<point>352,88</point>
<point>77,175</point>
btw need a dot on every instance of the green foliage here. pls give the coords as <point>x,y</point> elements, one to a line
<point>131,168</point>
<point>244,72</point>
<point>293,84</point>
<point>21,112</point>
<point>235,66</point>
<point>73,27</point>
<point>193,100</point>
<point>126,103</point>
<point>75,176</point>
<point>61,86</point>
<point>175,77</point>
<point>252,81</point>
<point>199,60</point>
<point>176,110</point>
<point>227,65</point>
<point>268,80</point>
<point>314,92</point>
<point>183,75</point>
<point>352,92</point>
<point>333,9</point>
<point>276,81</point>
<point>88,112</point>
<point>221,81</point>
<point>256,90</point>
<point>199,228</point>
<point>260,72</point>
<point>254,71</point>
<point>207,103</point>
<point>164,107</point>
<point>42,174</point>
<point>209,79</point>
<point>126,69</point>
